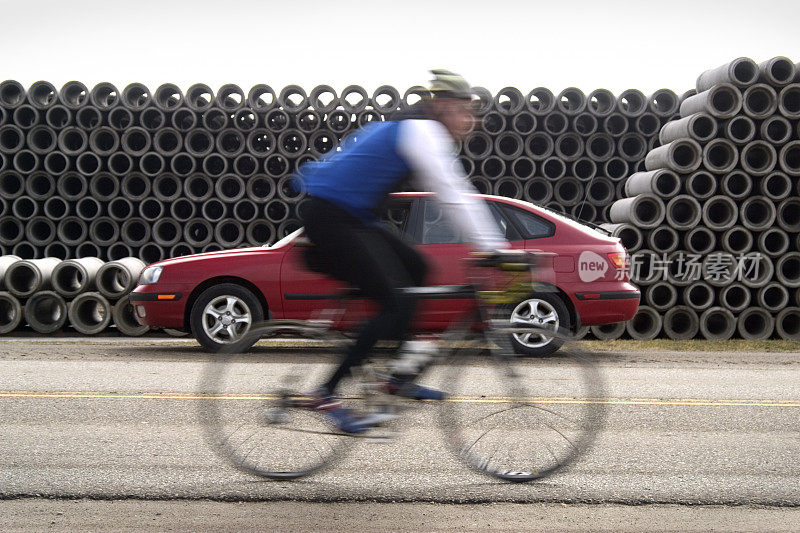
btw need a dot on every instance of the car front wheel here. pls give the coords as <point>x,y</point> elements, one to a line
<point>542,309</point>
<point>222,315</point>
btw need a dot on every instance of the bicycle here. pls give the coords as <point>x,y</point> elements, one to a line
<point>505,424</point>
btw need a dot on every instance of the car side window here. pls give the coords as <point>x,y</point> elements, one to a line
<point>507,228</point>
<point>531,225</point>
<point>436,228</point>
<point>396,216</point>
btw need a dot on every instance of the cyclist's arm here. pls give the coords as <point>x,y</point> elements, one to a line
<point>424,144</point>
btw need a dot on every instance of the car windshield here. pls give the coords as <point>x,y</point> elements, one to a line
<point>286,239</point>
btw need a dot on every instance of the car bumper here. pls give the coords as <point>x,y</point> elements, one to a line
<point>159,306</point>
<point>607,306</point>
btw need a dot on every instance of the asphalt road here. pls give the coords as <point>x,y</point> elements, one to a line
<point>115,419</point>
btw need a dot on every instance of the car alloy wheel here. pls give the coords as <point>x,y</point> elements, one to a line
<point>226,319</point>
<point>537,312</point>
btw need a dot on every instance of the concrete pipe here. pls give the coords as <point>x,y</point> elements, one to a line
<point>104,231</point>
<point>682,156</point>
<point>755,323</point>
<point>120,118</point>
<point>539,146</point>
<point>788,215</point>
<point>260,142</point>
<point>787,324</point>
<point>26,250</point>
<point>199,98</point>
<point>25,208</point>
<point>168,97</point>
<point>167,187</point>
<point>135,187</point>
<point>584,168</point>
<point>510,101</point>
<point>56,163</point>
<point>230,188</point>
<point>58,250</point>
<point>755,270</point>
<point>216,120</point>
<point>135,141</point>
<point>778,71</point>
<point>720,213</point>
<point>740,72</point>
<point>737,185</point>
<point>276,211</point>
<point>601,102</point>
<point>198,232</point>
<point>75,276</point>
<point>553,168</point>
<point>5,262</point>
<point>40,231</point>
<point>12,139</point>
<point>89,313</point>
<point>26,161</point>
<point>88,164</point>
<point>42,95</point>
<point>681,323</point>
<point>508,187</point>
<point>759,158</point>
<point>260,188</point>
<point>600,192</point>
<point>740,130</point>
<point>616,169</point>
<point>12,94</point>
<point>663,183</point>
<point>135,232</point>
<point>354,99</point>
<point>104,187</point>
<point>568,191</point>
<point>787,269</point>
<point>758,213</point>
<point>230,97</point>
<point>721,101</point>
<point>307,121</point>
<point>184,120</point>
<point>773,297</point>
<point>180,250</point>
<point>117,278</point>
<point>57,117</point>
<point>290,189</point>
<point>630,236</point>
<point>260,232</point>
<point>339,122</point>
<point>661,295</point>
<point>683,268</point>
<point>584,211</point>
<point>663,240</point>
<point>493,167</point>
<point>40,186</point>
<point>245,165</point>
<point>720,156</point>
<point>124,317</point>
<point>87,249</point>
<point>42,139</point>
<point>323,98</point>
<point>632,103</point>
<point>244,211</point>
<point>568,147</point>
<point>24,278</point>
<point>288,226</point>
<point>151,209</point>
<point>229,233</point>
<point>45,312</point>
<point>481,184</point>
<point>484,100</point>
<point>664,103</point>
<point>540,101</point>
<point>10,313</point>
<point>735,297</point>
<point>645,325</point>
<point>717,323</point>
<point>74,95</point>
<point>214,210</point>
<point>555,207</point>
<point>737,240</point>
<point>555,124</point>
<point>478,145</point>
<point>538,191</point>
<point>493,123</point>
<point>136,97</point>
<point>231,142</point>
<point>198,188</point>
<point>571,101</point>
<point>647,124</point>
<point>183,164</point>
<point>719,269</point>
<point>291,143</point>
<point>182,209</point>
<point>585,124</point>
<point>773,242</point>
<point>759,101</point>
<point>608,332</point>
<point>72,231</point>
<point>88,208</point>
<point>88,118</point>
<point>789,158</point>
<point>120,209</point>
<point>167,142</point>
<point>789,101</point>
<point>104,96</point>
<point>644,211</point>
<point>151,253</point>
<point>699,296</point>
<point>615,124</point>
<point>776,130</point>
<point>322,142</point>
<point>525,123</point>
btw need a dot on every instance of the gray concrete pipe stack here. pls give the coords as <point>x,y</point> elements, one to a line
<point>726,177</point>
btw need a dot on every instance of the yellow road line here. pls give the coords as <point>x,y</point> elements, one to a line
<point>691,402</point>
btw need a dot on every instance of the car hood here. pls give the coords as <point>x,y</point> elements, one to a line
<point>221,254</point>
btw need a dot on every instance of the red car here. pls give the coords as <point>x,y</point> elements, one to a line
<point>217,295</point>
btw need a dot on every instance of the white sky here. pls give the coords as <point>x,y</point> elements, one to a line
<point>589,44</point>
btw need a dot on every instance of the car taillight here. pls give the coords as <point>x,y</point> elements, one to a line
<point>619,259</point>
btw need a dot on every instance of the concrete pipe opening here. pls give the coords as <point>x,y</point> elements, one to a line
<point>773,242</point>
<point>787,270</point>
<point>699,296</point>
<point>615,124</point>
<point>571,101</point>
<point>681,323</point>
<point>787,324</point>
<point>522,168</point>
<point>758,213</point>
<point>759,158</point>
<point>538,191</point>
<point>755,269</point>
<point>661,295</point>
<point>540,101</point>
<point>735,297</point>
<point>720,212</point>
<point>46,312</point>
<point>755,323</point>
<point>717,323</point>
<point>556,123</point>
<point>90,313</point>
<point>789,101</point>
<point>215,165</point>
<point>601,102</point>
<point>199,97</point>
<point>776,130</point>
<point>663,239</point>
<point>120,118</point>
<point>773,297</point>
<point>645,324</point>
<point>720,156</point>
<point>701,185</point>
<point>10,313</point>
<point>790,158</point>
<point>759,101</point>
<point>737,240</point>
<point>737,185</point>
<point>740,130</point>
<point>600,147</point>
<point>632,103</point>
<point>664,103</point>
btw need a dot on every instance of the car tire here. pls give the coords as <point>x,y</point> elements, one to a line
<point>215,300</point>
<point>548,304</point>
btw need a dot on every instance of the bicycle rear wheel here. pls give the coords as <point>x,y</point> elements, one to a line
<point>520,419</point>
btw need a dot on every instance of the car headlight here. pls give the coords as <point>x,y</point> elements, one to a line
<point>150,275</point>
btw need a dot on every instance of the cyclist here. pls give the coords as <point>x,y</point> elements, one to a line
<point>346,190</point>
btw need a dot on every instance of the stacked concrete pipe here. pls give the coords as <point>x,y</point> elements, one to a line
<point>726,177</point>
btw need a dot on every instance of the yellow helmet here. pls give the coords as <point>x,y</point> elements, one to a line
<point>447,84</point>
